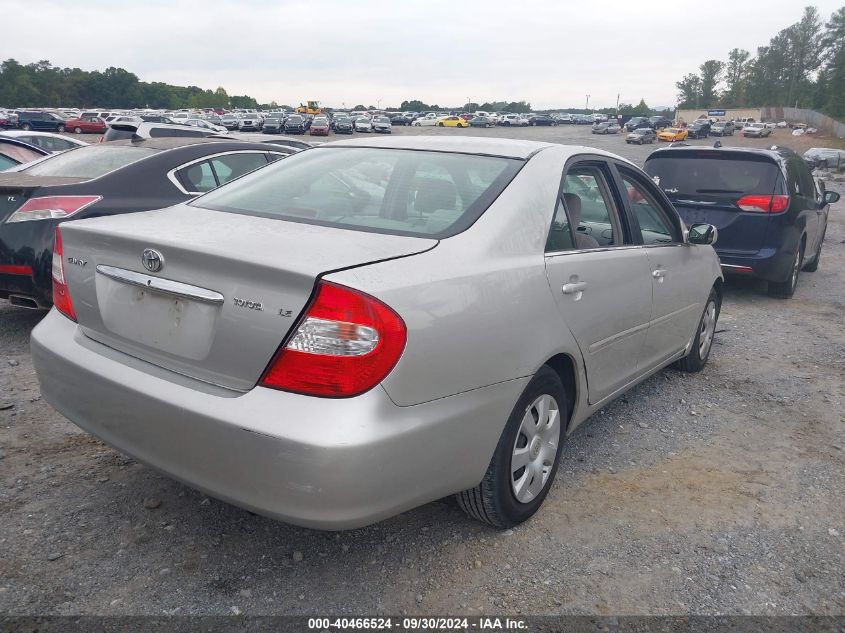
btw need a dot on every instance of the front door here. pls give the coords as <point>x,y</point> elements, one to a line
<point>675,269</point>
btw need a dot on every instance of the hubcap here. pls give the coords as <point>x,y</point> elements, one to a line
<point>708,329</point>
<point>535,448</point>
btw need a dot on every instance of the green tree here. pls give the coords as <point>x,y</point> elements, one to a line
<point>736,77</point>
<point>711,73</point>
<point>689,91</point>
<point>415,105</point>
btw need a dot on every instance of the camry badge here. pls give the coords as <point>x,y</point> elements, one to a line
<point>152,260</point>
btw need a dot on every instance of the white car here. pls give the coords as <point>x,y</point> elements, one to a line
<point>782,124</point>
<point>428,119</point>
<point>770,125</point>
<point>513,119</point>
<point>48,141</point>
<point>207,125</point>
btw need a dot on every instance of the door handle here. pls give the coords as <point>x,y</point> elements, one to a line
<point>659,273</point>
<point>573,288</point>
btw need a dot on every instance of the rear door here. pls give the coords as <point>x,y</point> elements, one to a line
<point>600,280</point>
<point>678,286</point>
<point>705,186</point>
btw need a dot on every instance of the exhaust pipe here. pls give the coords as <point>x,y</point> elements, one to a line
<point>24,302</point>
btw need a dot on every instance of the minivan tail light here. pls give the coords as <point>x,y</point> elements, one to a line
<point>345,344</point>
<point>52,208</point>
<point>61,295</point>
<point>763,204</point>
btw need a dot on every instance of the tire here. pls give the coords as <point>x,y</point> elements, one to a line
<point>77,130</point>
<point>627,142</point>
<point>60,129</point>
<point>813,265</point>
<point>494,500</point>
<point>700,352</point>
<point>785,289</point>
<point>26,127</point>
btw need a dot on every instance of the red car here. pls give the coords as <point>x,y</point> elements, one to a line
<point>319,127</point>
<point>86,125</point>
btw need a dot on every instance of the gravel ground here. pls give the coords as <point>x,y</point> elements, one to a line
<point>715,493</point>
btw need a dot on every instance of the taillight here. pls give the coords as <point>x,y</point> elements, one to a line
<point>52,208</point>
<point>763,204</point>
<point>61,296</point>
<point>344,345</point>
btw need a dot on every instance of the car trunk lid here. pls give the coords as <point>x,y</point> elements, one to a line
<point>230,288</point>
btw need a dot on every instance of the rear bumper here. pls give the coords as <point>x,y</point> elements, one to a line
<point>319,463</point>
<point>769,264</point>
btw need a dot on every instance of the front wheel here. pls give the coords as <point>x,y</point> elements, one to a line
<point>703,342</point>
<point>26,127</point>
<point>60,129</point>
<point>440,125</point>
<point>77,130</point>
<point>526,458</point>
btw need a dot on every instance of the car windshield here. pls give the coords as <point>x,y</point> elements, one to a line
<point>399,192</point>
<point>713,174</point>
<point>295,119</point>
<point>91,161</point>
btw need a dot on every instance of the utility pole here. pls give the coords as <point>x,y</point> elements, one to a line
<point>617,105</point>
<point>587,106</point>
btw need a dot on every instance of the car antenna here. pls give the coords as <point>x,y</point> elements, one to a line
<point>717,144</point>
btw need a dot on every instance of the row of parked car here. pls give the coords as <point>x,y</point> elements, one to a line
<point>299,285</point>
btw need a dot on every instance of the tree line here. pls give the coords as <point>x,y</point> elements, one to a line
<point>802,66</point>
<point>41,84</point>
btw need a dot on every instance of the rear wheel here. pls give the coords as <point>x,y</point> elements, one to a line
<point>77,130</point>
<point>703,343</point>
<point>26,127</point>
<point>524,464</point>
<point>813,265</point>
<point>785,289</point>
<point>60,129</point>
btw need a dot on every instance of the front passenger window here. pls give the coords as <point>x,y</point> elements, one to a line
<point>654,226</point>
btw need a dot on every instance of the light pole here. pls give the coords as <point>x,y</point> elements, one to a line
<point>587,106</point>
<point>378,104</point>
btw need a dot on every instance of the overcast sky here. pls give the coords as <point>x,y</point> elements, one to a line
<point>342,52</point>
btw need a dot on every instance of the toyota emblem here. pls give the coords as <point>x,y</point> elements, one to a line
<point>152,260</point>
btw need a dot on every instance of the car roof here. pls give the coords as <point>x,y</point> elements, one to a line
<point>776,153</point>
<point>164,143</point>
<point>507,148</point>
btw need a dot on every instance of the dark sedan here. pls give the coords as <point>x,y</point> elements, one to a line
<point>399,119</point>
<point>343,125</point>
<point>770,213</point>
<point>640,136</point>
<point>541,119</point>
<point>104,179</point>
<point>481,121</point>
<point>295,124</point>
<point>273,125</point>
<point>698,129</point>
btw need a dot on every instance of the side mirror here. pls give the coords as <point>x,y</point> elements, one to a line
<point>702,234</point>
<point>830,197</point>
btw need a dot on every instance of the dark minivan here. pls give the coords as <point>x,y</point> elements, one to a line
<point>770,213</point>
<point>40,121</point>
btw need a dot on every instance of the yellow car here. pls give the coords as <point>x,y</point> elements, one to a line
<point>672,134</point>
<point>452,121</point>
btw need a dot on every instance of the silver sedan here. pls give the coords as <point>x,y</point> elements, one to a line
<point>368,326</point>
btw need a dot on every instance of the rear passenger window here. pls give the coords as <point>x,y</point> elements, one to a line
<point>232,166</point>
<point>197,178</point>
<point>587,199</point>
<point>655,227</point>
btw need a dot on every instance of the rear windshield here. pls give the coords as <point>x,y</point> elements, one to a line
<point>89,162</point>
<point>690,174</point>
<point>399,192</point>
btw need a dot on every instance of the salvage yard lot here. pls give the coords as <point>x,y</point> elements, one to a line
<point>718,492</point>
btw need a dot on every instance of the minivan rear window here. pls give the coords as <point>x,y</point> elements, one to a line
<point>394,191</point>
<point>713,174</point>
<point>92,161</point>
